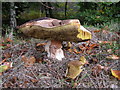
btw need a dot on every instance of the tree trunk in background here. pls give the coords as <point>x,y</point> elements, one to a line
<point>41,8</point>
<point>66,9</point>
<point>46,9</point>
<point>13,22</point>
<point>50,10</point>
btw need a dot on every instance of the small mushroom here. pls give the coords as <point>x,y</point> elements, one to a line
<point>56,31</point>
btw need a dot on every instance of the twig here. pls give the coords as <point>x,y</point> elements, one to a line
<point>92,80</point>
<point>104,85</point>
<point>28,79</point>
<point>114,64</point>
<point>34,74</point>
<point>54,72</point>
<point>3,61</point>
<point>47,6</point>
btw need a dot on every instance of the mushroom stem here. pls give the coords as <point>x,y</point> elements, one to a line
<point>54,49</point>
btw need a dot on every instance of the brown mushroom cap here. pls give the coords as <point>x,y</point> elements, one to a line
<point>54,29</point>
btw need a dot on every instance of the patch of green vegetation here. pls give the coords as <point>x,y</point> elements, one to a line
<point>115,46</point>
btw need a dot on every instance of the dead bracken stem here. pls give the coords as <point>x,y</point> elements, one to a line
<point>34,74</point>
<point>95,86</point>
<point>54,73</point>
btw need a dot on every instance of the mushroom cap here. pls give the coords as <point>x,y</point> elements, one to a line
<point>54,29</point>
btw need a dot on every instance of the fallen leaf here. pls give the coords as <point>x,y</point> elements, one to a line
<point>41,44</point>
<point>105,28</point>
<point>105,31</point>
<point>28,61</point>
<point>8,45</point>
<point>40,47</point>
<point>2,44</point>
<point>96,31</point>
<point>9,40</point>
<point>116,73</point>
<point>76,51</point>
<point>3,60</point>
<point>105,42</point>
<point>82,47</point>
<point>34,80</point>
<point>109,50</point>
<point>7,55</point>
<point>5,66</point>
<point>70,50</point>
<point>93,45</point>
<point>94,60</point>
<point>39,60</point>
<point>75,85</point>
<point>69,44</point>
<point>74,67</point>
<point>114,57</point>
<point>98,68</point>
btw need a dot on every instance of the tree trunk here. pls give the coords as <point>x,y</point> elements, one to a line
<point>66,9</point>
<point>46,9</point>
<point>50,10</point>
<point>13,22</point>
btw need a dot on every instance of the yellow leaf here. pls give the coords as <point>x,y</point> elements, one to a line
<point>116,73</point>
<point>74,67</point>
<point>5,66</point>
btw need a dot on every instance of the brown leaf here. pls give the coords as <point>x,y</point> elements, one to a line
<point>97,69</point>
<point>3,60</point>
<point>40,47</point>
<point>8,46</point>
<point>94,60</point>
<point>105,31</point>
<point>91,46</point>
<point>28,61</point>
<point>39,60</point>
<point>34,80</point>
<point>105,42</point>
<point>9,40</point>
<point>41,44</point>
<point>82,47</point>
<point>76,51</point>
<point>116,73</point>
<point>7,55</point>
<point>2,44</point>
<point>95,31</point>
<point>114,57</point>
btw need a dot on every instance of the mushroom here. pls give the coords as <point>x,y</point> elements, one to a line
<point>56,31</point>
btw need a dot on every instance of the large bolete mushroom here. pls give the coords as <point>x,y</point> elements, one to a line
<point>56,31</point>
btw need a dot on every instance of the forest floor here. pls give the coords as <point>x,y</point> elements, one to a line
<point>46,72</point>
